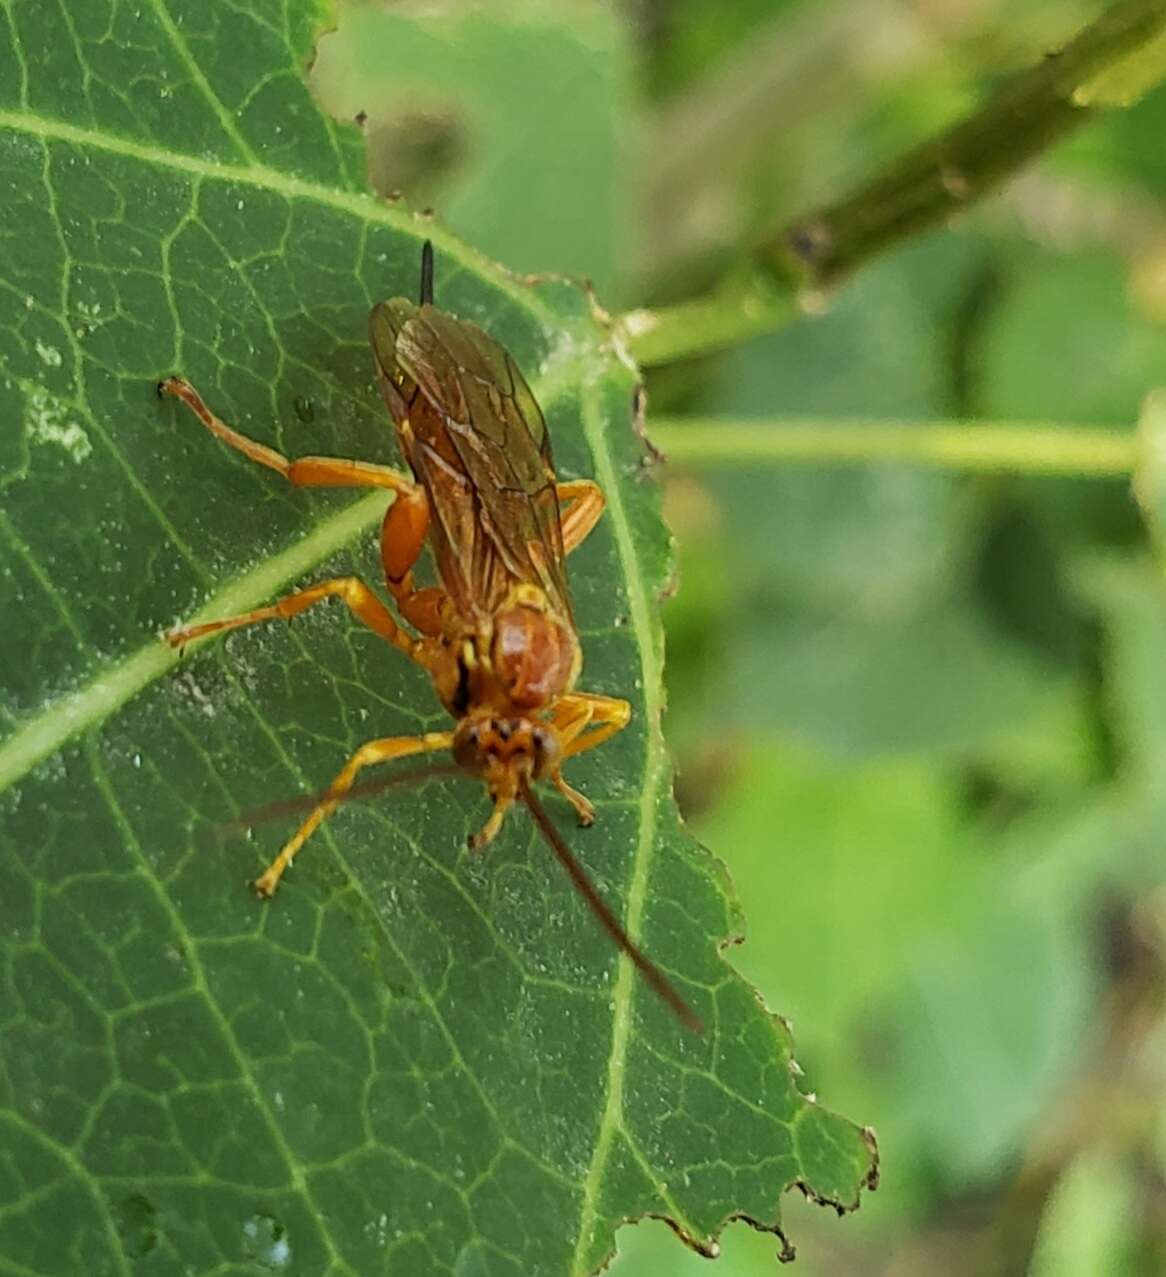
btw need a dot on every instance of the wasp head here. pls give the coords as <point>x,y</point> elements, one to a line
<point>500,749</point>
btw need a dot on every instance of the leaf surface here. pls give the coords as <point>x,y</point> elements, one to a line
<point>415,1059</point>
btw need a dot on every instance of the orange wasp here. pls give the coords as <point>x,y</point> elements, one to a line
<point>497,636</point>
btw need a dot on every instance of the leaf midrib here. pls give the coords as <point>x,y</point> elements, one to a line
<point>655,768</point>
<point>366,206</point>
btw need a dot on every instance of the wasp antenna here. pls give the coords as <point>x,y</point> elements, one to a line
<point>368,789</point>
<point>427,274</point>
<point>656,979</point>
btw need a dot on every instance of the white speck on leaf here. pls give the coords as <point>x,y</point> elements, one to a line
<point>48,423</point>
<point>378,1230</point>
<point>49,354</point>
<point>190,688</point>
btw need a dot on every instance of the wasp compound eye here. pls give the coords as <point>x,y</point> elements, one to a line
<point>546,750</point>
<point>467,747</point>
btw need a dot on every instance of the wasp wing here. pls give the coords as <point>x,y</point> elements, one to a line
<point>477,440</point>
<point>455,530</point>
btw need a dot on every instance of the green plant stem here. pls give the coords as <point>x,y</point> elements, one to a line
<point>1013,447</point>
<point>743,306</point>
<point>927,185</point>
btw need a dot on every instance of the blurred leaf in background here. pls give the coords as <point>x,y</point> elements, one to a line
<point>505,118</point>
<point>919,714</point>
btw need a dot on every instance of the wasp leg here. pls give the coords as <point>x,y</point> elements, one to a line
<point>582,804</point>
<point>587,502</point>
<point>425,610</point>
<point>376,751</point>
<point>489,831</point>
<point>355,594</point>
<point>334,472</point>
<point>403,533</point>
<point>582,721</point>
<point>587,719</point>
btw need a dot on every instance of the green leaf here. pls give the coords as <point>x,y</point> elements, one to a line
<point>937,679</point>
<point>1069,344</point>
<point>1089,1224</point>
<point>822,535</point>
<point>452,125</point>
<point>856,627</point>
<point>887,838</point>
<point>988,1052</point>
<point>1132,601</point>
<point>1150,472</point>
<point>902,982</point>
<point>414,1060</point>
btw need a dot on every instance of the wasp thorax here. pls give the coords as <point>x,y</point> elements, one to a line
<point>534,656</point>
<point>495,743</point>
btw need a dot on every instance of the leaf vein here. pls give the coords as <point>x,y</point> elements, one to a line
<point>426,995</point>
<point>365,207</point>
<point>199,80</point>
<point>84,1176</point>
<point>654,766</point>
<point>202,986</point>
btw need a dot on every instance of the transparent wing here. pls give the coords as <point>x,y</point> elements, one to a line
<point>481,446</point>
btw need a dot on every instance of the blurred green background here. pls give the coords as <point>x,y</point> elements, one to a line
<point>921,716</point>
